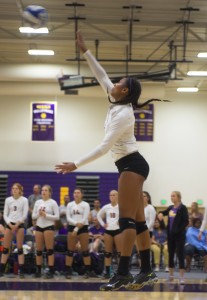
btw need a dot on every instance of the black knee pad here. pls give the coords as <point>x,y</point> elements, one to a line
<point>107,254</point>
<point>5,250</point>
<point>141,227</point>
<point>39,253</point>
<point>85,253</point>
<point>20,251</point>
<point>50,252</point>
<point>126,223</point>
<point>69,253</point>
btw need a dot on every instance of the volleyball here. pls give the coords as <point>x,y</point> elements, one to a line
<point>36,16</point>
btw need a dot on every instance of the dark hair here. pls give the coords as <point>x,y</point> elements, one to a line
<point>97,200</point>
<point>162,224</point>
<point>196,206</point>
<point>134,93</point>
<point>149,200</point>
<point>79,189</point>
<point>195,220</point>
<point>135,90</point>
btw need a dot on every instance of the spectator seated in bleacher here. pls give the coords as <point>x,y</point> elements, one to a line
<point>93,212</point>
<point>194,246</point>
<point>96,234</point>
<point>62,210</point>
<point>31,230</point>
<point>159,245</point>
<point>60,237</point>
<point>30,236</point>
<point>194,213</point>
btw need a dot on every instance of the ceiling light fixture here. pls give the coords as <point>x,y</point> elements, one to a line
<point>202,54</point>
<point>33,30</point>
<point>40,52</point>
<point>187,90</point>
<point>197,73</point>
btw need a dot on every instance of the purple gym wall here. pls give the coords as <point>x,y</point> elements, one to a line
<point>108,181</point>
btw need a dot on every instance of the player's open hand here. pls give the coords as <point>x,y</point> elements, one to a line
<point>65,167</point>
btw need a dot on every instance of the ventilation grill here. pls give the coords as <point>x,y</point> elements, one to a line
<point>90,186</point>
<point>3,190</point>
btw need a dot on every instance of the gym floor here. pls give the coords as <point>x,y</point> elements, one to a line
<point>77,288</point>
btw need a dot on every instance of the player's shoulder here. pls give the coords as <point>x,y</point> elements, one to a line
<point>38,201</point>
<point>53,201</point>
<point>24,199</point>
<point>85,203</point>
<point>9,199</point>
<point>107,206</point>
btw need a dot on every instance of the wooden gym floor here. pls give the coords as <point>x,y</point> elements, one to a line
<point>13,288</point>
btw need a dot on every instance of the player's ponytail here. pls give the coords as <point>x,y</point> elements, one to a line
<point>140,105</point>
<point>134,92</point>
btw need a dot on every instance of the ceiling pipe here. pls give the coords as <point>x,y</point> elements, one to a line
<point>76,18</point>
<point>130,20</point>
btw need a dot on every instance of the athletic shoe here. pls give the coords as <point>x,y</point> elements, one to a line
<point>157,269</point>
<point>21,275</point>
<point>106,276</point>
<point>182,281</point>
<point>37,275</point>
<point>68,275</point>
<point>90,274</point>
<point>116,282</point>
<point>49,275</point>
<point>142,279</point>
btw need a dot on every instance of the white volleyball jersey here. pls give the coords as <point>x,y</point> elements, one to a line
<point>51,209</point>
<point>77,213</point>
<point>150,216</point>
<point>15,210</point>
<point>111,214</point>
<point>119,124</point>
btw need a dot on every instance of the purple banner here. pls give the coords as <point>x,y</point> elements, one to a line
<point>144,123</point>
<point>43,121</point>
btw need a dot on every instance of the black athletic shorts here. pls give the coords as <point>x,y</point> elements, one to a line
<point>84,229</point>
<point>42,229</point>
<point>20,226</point>
<point>112,232</point>
<point>133,162</point>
